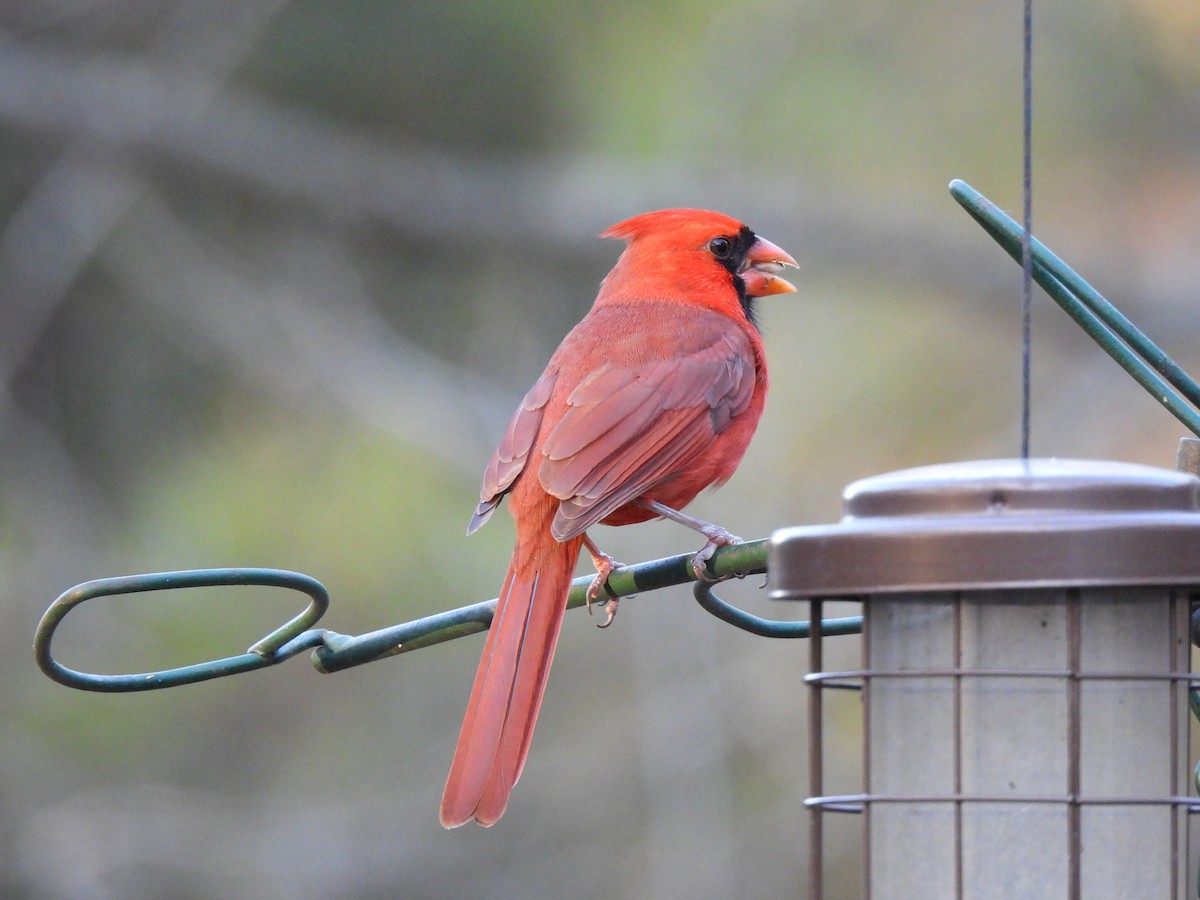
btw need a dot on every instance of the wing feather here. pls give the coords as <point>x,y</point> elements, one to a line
<point>629,428</point>
<point>512,455</point>
<point>633,477</point>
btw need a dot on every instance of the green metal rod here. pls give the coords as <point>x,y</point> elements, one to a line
<point>1144,360</point>
<point>341,652</point>
<point>334,652</point>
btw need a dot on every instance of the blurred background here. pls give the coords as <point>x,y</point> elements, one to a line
<point>273,276</point>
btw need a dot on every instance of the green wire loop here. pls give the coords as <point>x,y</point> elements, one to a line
<point>282,643</point>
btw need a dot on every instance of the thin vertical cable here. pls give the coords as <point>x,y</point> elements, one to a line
<point>958,602</point>
<point>1177,700</point>
<point>1074,743</point>
<point>1026,253</point>
<point>816,755</point>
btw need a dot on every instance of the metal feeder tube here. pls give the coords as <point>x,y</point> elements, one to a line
<point>1024,678</point>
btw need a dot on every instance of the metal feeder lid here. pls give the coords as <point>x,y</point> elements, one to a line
<point>1006,523</point>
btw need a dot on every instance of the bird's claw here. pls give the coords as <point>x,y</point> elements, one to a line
<point>605,566</point>
<point>610,612</point>
<point>717,537</point>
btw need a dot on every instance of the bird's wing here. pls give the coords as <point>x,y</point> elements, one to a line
<point>628,428</point>
<point>512,455</point>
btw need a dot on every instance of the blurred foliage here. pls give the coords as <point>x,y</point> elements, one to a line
<point>273,275</point>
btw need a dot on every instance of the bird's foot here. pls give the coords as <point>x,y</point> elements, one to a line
<point>605,566</point>
<point>717,537</point>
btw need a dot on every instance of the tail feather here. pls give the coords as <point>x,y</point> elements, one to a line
<point>510,682</point>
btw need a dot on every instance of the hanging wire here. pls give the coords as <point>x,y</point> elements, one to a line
<point>1026,252</point>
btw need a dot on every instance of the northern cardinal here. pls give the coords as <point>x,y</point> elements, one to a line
<point>651,398</point>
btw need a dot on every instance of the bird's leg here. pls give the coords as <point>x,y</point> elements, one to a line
<point>717,536</point>
<point>605,565</point>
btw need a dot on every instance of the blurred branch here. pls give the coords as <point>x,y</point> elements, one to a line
<point>156,112</point>
<point>61,513</point>
<point>71,209</point>
<point>47,241</point>
<point>303,349</point>
<point>50,236</point>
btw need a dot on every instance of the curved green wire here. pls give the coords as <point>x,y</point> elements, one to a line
<point>282,643</point>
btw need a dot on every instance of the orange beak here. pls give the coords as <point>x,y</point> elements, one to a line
<point>760,271</point>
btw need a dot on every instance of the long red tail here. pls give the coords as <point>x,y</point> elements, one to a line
<point>511,679</point>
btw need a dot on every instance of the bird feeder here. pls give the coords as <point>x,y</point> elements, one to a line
<point>1024,679</point>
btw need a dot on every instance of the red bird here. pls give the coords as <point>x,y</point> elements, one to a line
<point>651,398</point>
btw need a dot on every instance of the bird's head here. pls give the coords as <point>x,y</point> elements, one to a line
<point>696,252</point>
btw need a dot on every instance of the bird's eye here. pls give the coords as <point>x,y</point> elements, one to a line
<point>720,247</point>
